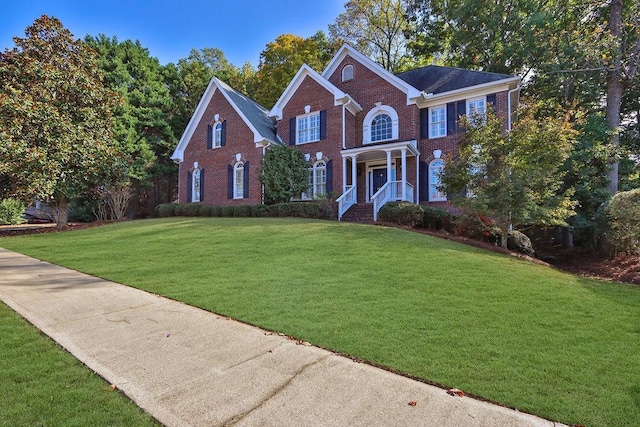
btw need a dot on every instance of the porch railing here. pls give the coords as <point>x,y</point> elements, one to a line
<point>391,191</point>
<point>345,201</point>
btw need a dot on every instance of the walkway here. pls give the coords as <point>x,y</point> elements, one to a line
<point>189,367</point>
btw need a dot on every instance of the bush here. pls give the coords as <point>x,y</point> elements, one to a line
<point>623,213</point>
<point>518,242</point>
<point>243,211</point>
<point>165,210</point>
<point>205,211</point>
<point>216,211</point>
<point>259,211</point>
<point>315,209</point>
<point>437,218</point>
<point>190,209</point>
<point>402,213</point>
<point>227,211</point>
<point>11,211</point>
<point>476,227</point>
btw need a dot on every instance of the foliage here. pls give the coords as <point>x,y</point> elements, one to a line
<point>376,28</point>
<point>283,172</point>
<point>488,324</point>
<point>513,178</point>
<point>11,211</point>
<point>623,212</point>
<point>166,209</point>
<point>402,213</point>
<point>315,209</point>
<point>281,60</point>
<point>437,218</point>
<point>55,117</point>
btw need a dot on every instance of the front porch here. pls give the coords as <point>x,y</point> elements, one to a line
<point>379,174</point>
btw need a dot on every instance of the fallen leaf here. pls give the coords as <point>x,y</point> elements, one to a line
<point>113,387</point>
<point>456,392</point>
<point>413,403</point>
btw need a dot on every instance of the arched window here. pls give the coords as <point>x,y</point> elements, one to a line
<point>238,181</point>
<point>380,124</point>
<point>347,73</point>
<point>316,180</point>
<point>217,135</point>
<point>196,186</point>
<point>436,167</point>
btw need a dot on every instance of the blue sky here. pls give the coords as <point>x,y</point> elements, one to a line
<point>170,29</point>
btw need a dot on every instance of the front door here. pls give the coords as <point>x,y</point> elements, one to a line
<point>378,179</point>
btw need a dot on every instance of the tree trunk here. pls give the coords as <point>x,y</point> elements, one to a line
<point>504,238</point>
<point>63,213</point>
<point>614,90</point>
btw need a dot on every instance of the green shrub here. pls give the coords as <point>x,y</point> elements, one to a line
<point>243,211</point>
<point>227,211</point>
<point>190,209</point>
<point>259,211</point>
<point>623,213</point>
<point>205,211</point>
<point>166,209</point>
<point>81,209</point>
<point>11,211</point>
<point>313,209</point>
<point>216,211</point>
<point>476,227</point>
<point>402,213</point>
<point>437,218</point>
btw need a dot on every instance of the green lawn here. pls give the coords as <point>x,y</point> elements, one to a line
<point>43,385</point>
<point>527,336</point>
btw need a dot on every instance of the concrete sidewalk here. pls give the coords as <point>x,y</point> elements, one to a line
<point>189,367</point>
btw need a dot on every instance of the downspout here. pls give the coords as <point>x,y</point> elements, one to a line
<point>344,127</point>
<point>517,88</point>
<point>418,179</point>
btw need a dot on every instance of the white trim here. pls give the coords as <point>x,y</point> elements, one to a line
<point>216,143</point>
<point>431,123</point>
<point>237,167</point>
<point>412,146</point>
<point>443,196</point>
<point>430,99</point>
<point>366,124</point>
<point>375,165</point>
<point>214,84</point>
<point>308,117</point>
<point>348,76</point>
<point>346,50</point>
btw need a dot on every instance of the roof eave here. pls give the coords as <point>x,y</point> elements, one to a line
<point>430,98</point>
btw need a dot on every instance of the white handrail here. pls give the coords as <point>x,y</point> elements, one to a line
<point>391,191</point>
<point>345,201</point>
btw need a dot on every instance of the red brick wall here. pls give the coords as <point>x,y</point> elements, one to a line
<point>214,161</point>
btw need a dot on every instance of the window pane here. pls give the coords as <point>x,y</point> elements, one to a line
<point>218,135</point>
<point>239,182</point>
<point>435,169</point>
<point>437,123</point>
<point>381,128</point>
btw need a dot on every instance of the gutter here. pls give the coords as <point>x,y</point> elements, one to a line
<point>344,127</point>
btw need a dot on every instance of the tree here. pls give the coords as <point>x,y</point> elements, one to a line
<point>55,117</point>
<point>513,178</point>
<point>377,28</point>
<point>283,172</point>
<point>282,58</point>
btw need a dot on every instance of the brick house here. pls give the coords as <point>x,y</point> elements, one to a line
<point>369,136</point>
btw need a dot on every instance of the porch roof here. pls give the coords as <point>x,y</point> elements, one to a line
<point>372,152</point>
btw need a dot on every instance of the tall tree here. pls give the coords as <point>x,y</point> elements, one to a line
<point>513,178</point>
<point>282,58</point>
<point>55,117</point>
<point>377,28</point>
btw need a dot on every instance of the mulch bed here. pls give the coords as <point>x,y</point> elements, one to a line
<point>622,268</point>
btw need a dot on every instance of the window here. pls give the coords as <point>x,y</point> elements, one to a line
<point>476,106</point>
<point>238,181</point>
<point>380,124</point>
<point>381,128</point>
<point>217,135</point>
<point>196,185</point>
<point>436,167</point>
<point>437,122</point>
<point>308,129</point>
<point>316,180</point>
<point>347,73</point>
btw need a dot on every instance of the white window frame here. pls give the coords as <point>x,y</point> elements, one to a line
<point>195,186</point>
<point>476,106</point>
<point>368,121</point>
<point>305,133</point>
<point>316,181</point>
<point>438,121</point>
<point>347,73</point>
<point>435,166</point>
<point>238,181</point>
<point>217,135</point>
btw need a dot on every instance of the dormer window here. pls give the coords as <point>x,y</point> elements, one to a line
<point>347,73</point>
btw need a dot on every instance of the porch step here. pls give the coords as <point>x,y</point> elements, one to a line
<point>361,212</point>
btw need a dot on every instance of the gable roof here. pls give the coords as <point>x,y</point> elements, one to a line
<point>347,50</point>
<point>253,114</point>
<point>339,96</point>
<point>437,79</point>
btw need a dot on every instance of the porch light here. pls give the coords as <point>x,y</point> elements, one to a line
<point>319,155</point>
<point>437,154</point>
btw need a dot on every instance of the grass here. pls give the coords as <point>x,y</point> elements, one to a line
<point>42,385</point>
<point>525,335</point>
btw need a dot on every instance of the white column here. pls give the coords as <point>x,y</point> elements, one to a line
<point>344,175</point>
<point>388,166</point>
<point>354,177</point>
<point>404,174</point>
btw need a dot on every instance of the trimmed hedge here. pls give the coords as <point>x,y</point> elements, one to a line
<point>623,213</point>
<point>437,218</point>
<point>402,213</point>
<point>315,210</point>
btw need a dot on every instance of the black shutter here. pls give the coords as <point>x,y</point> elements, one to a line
<point>492,100</point>
<point>189,186</point>
<point>201,185</point>
<point>223,134</point>
<point>209,136</point>
<point>245,190</point>
<point>229,182</point>
<point>323,124</point>
<point>424,182</point>
<point>329,177</point>
<point>462,111</point>
<point>292,131</point>
<point>424,123</point>
<point>451,118</point>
